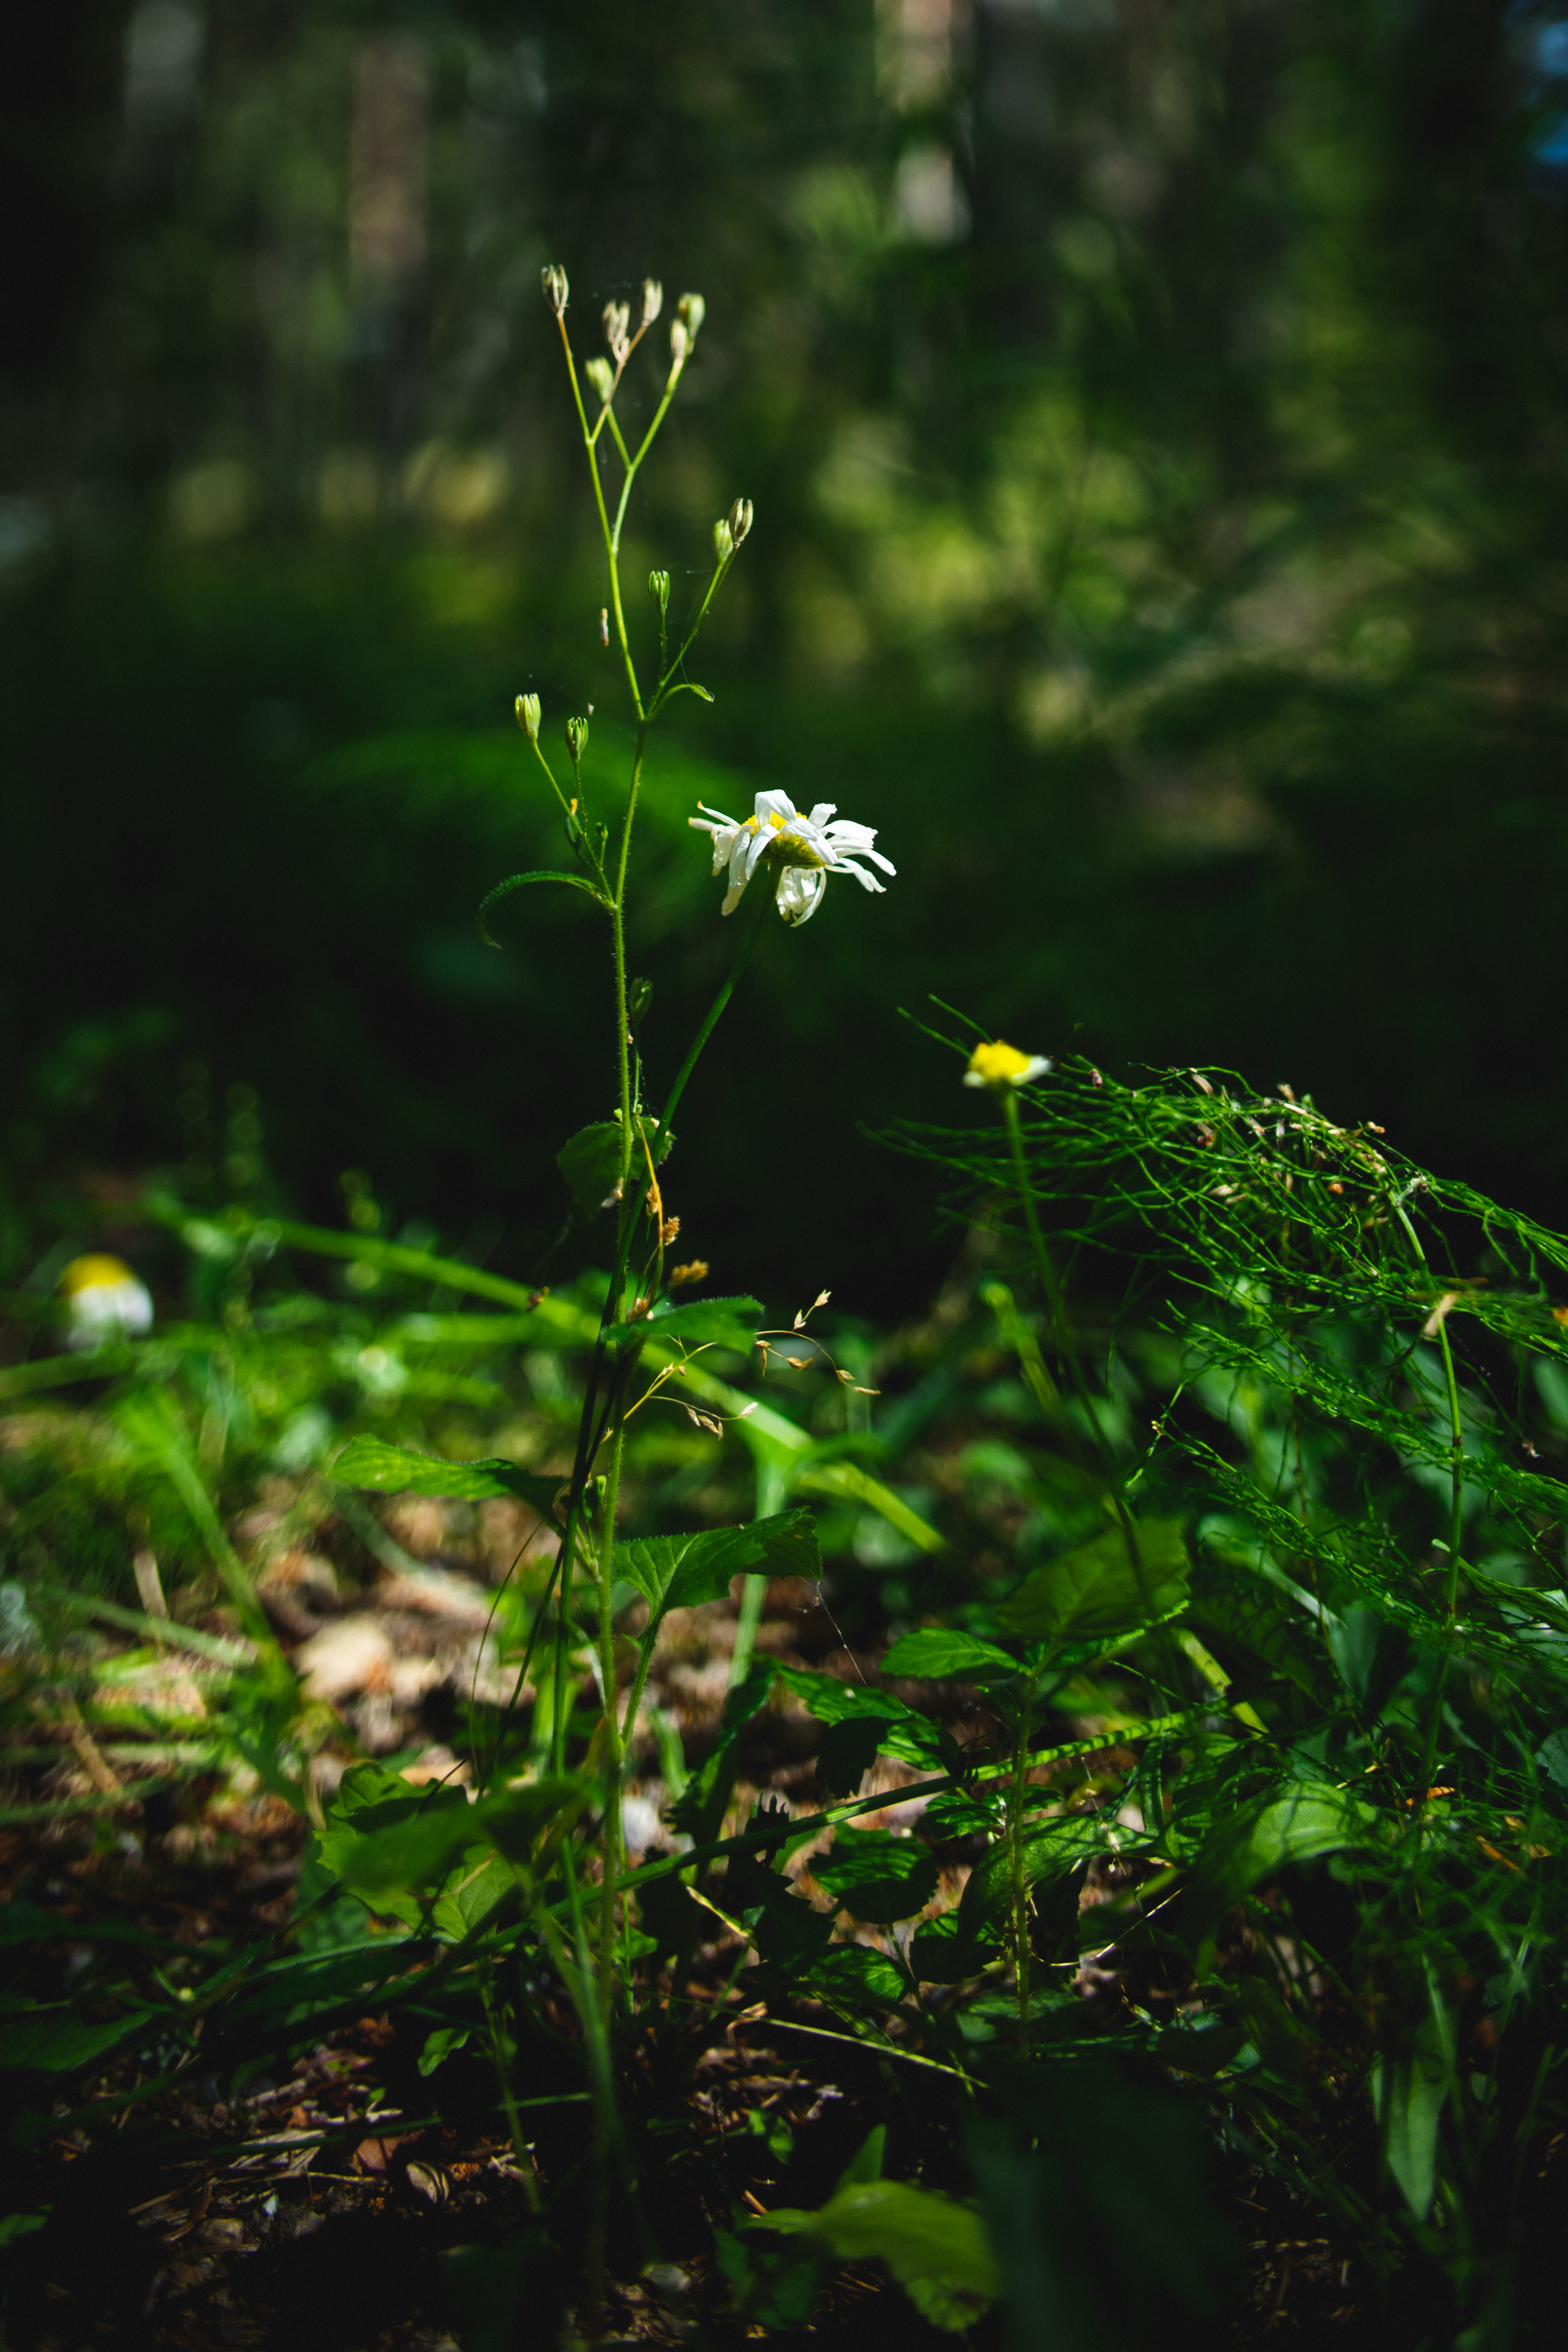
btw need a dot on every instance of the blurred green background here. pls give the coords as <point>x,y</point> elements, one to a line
<point>1156,414</point>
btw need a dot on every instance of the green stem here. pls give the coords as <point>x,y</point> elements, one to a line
<point>612,1829</point>
<point>611,537</point>
<point>1063,1329</point>
<point>1021,1951</point>
<point>1456,1522</point>
<point>747,942</point>
<point>1456,1539</point>
<point>618,924</point>
<point>662,691</point>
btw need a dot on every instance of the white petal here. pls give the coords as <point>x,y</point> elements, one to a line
<point>823,810</point>
<point>774,804</point>
<point>877,858</point>
<point>731,898</point>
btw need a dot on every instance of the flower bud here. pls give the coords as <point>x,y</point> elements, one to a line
<point>577,739</point>
<point>723,542</point>
<point>652,300</point>
<point>739,519</point>
<point>554,282</point>
<point>679,344</point>
<point>602,376</point>
<point>528,716</point>
<point>693,309</point>
<point>658,588</point>
<point>617,324</point>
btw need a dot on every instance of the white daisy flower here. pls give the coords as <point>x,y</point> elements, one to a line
<point>805,848</point>
<point>105,1301</point>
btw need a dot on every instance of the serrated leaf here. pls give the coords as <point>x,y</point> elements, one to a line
<point>876,1876</point>
<point>947,1656</point>
<point>853,1977</point>
<point>1098,1590</point>
<point>382,1469</point>
<point>682,1571</point>
<point>706,1322</point>
<point>518,882</point>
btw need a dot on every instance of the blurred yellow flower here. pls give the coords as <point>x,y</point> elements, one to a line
<point>105,1301</point>
<point>1002,1065</point>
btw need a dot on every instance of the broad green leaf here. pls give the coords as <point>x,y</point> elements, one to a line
<point>1099,1591</point>
<point>928,2242</point>
<point>518,881</point>
<point>1312,1818</point>
<point>849,1750</point>
<point>1408,2092</point>
<point>591,1162</point>
<point>402,1848</point>
<point>680,1572</point>
<point>878,1876</point>
<point>906,1733</point>
<point>382,1469</point>
<point>852,1977</point>
<point>945,1655</point>
<point>1047,1851</point>
<point>706,1322</point>
<point>478,1882</point>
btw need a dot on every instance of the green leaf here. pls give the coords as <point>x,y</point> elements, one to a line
<point>1099,1591</point>
<point>906,1733</point>
<point>680,1572</point>
<point>441,2045</point>
<point>1311,1819</point>
<point>518,882</point>
<point>591,1165</point>
<point>706,1322</point>
<point>876,1876</point>
<point>50,2044</point>
<point>942,1655</point>
<point>1048,1851</point>
<point>927,2242</point>
<point>851,1977</point>
<point>1408,2092</point>
<point>412,1853</point>
<point>383,1469</point>
<point>590,1162</point>
<point>849,1750</point>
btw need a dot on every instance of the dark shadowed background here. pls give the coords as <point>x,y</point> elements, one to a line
<point>1156,415</point>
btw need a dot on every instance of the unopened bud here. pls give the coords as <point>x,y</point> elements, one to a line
<point>617,325</point>
<point>554,281</point>
<point>723,542</point>
<point>739,519</point>
<point>577,739</point>
<point>652,300</point>
<point>528,716</point>
<point>693,309</point>
<point>602,376</point>
<point>658,588</point>
<point>679,343</point>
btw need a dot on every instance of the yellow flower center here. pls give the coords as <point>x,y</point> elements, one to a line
<point>998,1065</point>
<point>94,1274</point>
